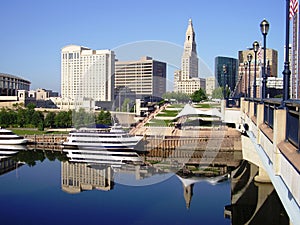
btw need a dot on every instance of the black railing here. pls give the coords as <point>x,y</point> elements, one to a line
<point>256,101</point>
<point>233,102</point>
<point>293,122</point>
<point>269,107</point>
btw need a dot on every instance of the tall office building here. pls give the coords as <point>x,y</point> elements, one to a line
<point>144,77</point>
<point>186,80</point>
<point>226,71</point>
<point>87,73</point>
<point>210,85</point>
<point>241,88</point>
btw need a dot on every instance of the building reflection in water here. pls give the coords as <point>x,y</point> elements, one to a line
<point>7,162</point>
<point>251,202</point>
<point>77,177</point>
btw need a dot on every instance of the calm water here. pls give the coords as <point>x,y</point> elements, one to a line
<point>46,192</point>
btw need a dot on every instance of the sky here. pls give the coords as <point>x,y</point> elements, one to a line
<point>34,31</point>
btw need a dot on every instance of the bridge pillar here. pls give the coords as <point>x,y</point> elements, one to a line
<point>278,136</point>
<point>223,107</point>
<point>262,176</point>
<point>259,119</point>
<point>251,110</point>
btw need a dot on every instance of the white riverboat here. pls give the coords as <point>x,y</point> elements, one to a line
<point>111,138</point>
<point>7,137</point>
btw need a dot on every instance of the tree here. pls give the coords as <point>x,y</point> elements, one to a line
<point>218,93</point>
<point>125,105</point>
<point>198,95</point>
<point>63,119</point>
<point>50,119</point>
<point>104,118</point>
<point>82,118</point>
<point>21,117</point>
<point>37,119</point>
<point>179,96</point>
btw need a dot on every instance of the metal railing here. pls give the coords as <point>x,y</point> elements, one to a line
<point>269,107</point>
<point>293,122</point>
<point>233,102</point>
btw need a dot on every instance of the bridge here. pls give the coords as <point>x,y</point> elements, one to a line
<point>271,141</point>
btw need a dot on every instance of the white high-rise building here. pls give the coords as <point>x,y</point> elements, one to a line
<point>189,60</point>
<point>87,74</point>
<point>186,80</point>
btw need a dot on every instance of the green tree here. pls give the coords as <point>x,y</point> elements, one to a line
<point>21,117</point>
<point>37,118</point>
<point>29,112</point>
<point>50,120</point>
<point>104,118</point>
<point>198,95</point>
<point>63,119</point>
<point>125,105</point>
<point>82,118</point>
<point>179,96</point>
<point>218,93</point>
<point>7,117</point>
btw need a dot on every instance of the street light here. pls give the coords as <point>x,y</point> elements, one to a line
<point>245,78</point>
<point>255,49</point>
<point>249,58</point>
<point>224,82</point>
<point>264,28</point>
<point>286,72</point>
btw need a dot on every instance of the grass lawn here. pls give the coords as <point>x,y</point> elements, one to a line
<point>23,132</point>
<point>176,106</point>
<point>206,106</point>
<point>158,123</point>
<point>168,113</point>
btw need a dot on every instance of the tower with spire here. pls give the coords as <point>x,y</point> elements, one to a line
<point>186,80</point>
<point>189,60</point>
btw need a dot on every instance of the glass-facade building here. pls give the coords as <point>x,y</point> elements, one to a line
<point>226,71</point>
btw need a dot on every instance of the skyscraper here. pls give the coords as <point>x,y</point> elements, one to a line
<point>186,80</point>
<point>87,73</point>
<point>226,71</point>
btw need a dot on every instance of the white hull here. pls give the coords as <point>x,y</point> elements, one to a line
<point>7,137</point>
<point>102,139</point>
<point>97,156</point>
<point>13,142</point>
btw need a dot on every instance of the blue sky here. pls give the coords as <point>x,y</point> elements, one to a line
<point>34,31</point>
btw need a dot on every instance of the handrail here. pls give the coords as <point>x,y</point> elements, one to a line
<point>292,108</point>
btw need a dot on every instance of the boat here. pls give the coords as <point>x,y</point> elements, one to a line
<point>7,137</point>
<point>110,138</point>
<point>98,157</point>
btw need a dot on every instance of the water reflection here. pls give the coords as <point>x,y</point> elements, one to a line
<point>251,202</point>
<point>7,163</point>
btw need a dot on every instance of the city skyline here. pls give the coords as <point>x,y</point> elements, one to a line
<point>34,32</point>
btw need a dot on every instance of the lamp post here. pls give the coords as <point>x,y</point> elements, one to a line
<point>249,58</point>
<point>245,67</point>
<point>264,28</point>
<point>224,80</point>
<point>255,49</point>
<point>286,72</point>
